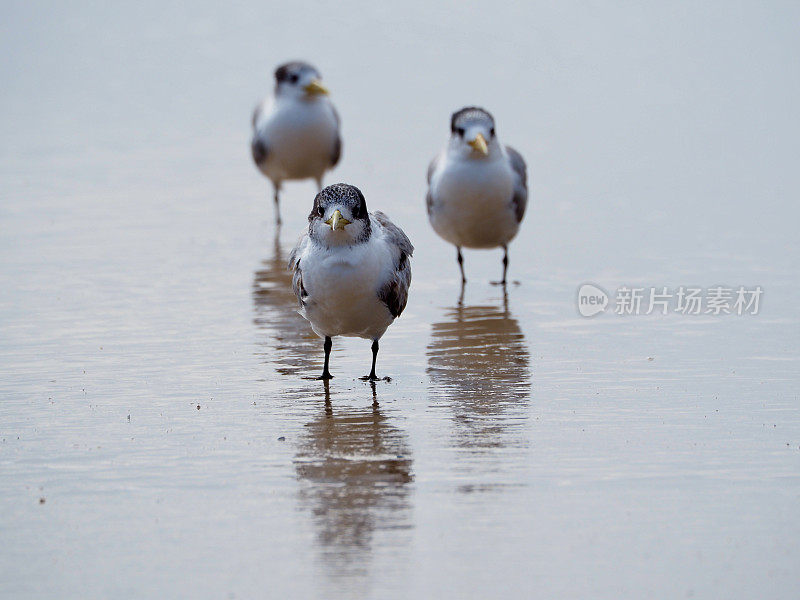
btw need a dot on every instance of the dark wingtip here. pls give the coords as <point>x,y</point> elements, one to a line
<point>259,150</point>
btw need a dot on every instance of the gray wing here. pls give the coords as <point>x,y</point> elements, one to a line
<point>336,154</point>
<point>394,293</point>
<point>297,273</point>
<point>520,199</point>
<point>431,169</point>
<point>259,149</point>
<point>432,166</point>
<point>256,114</point>
<point>258,146</point>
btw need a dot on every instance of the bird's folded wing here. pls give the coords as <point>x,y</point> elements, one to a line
<point>520,198</point>
<point>431,168</point>
<point>297,274</point>
<point>336,151</point>
<point>257,113</point>
<point>394,235</point>
<point>259,149</point>
<point>294,255</point>
<point>394,292</point>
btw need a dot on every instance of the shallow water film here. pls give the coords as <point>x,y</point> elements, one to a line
<point>161,433</point>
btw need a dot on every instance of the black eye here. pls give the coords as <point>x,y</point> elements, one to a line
<point>460,131</point>
<point>320,211</point>
<point>491,133</point>
<point>293,78</point>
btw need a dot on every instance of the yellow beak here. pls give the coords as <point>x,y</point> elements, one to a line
<point>337,221</point>
<point>315,87</point>
<point>479,144</point>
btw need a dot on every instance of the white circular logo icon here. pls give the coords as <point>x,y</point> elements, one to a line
<point>591,300</point>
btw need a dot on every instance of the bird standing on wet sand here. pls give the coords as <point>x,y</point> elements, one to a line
<point>477,188</point>
<point>351,271</point>
<point>296,131</point>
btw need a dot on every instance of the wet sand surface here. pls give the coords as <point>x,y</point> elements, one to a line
<point>161,433</point>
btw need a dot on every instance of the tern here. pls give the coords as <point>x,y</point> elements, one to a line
<point>351,271</point>
<point>296,131</point>
<point>477,188</point>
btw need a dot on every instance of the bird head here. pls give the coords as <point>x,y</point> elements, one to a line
<point>472,133</point>
<point>299,80</point>
<point>339,216</point>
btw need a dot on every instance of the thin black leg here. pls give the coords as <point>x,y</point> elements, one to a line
<point>277,200</point>
<point>505,264</point>
<point>372,376</point>
<point>326,374</point>
<point>460,260</point>
<point>505,268</point>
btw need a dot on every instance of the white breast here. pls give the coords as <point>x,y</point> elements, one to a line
<point>472,202</point>
<point>342,285</point>
<point>299,136</point>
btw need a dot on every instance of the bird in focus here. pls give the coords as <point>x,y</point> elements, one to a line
<point>351,271</point>
<point>477,188</point>
<point>296,130</point>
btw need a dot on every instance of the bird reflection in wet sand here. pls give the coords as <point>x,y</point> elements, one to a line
<point>354,466</point>
<point>478,363</point>
<point>285,335</point>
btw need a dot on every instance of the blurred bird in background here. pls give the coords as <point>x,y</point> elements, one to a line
<point>296,130</point>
